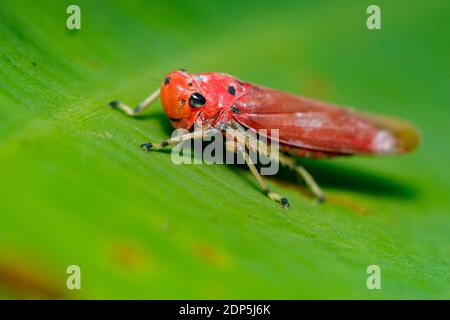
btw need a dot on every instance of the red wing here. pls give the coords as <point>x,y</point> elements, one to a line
<point>310,124</point>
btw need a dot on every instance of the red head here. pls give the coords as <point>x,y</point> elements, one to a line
<point>188,97</point>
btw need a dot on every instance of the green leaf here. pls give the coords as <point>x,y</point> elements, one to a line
<point>76,190</point>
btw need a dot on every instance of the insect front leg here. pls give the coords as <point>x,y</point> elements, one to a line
<point>197,134</point>
<point>239,147</point>
<point>139,108</point>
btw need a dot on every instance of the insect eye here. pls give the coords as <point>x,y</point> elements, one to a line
<point>197,100</point>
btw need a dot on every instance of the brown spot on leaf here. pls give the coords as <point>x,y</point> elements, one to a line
<point>348,203</point>
<point>95,64</point>
<point>292,185</point>
<point>317,86</point>
<point>129,255</point>
<point>27,280</point>
<point>211,255</point>
<point>339,200</point>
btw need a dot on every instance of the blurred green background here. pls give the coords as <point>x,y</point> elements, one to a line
<point>75,188</point>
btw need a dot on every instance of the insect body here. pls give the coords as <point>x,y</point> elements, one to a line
<point>306,127</point>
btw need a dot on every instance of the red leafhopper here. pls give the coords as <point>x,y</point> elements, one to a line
<point>307,127</point>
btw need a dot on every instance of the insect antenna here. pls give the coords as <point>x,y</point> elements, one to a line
<point>147,76</point>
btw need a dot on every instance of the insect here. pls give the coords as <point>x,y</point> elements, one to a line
<point>307,127</point>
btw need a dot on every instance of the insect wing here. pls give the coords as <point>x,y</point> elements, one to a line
<point>314,125</point>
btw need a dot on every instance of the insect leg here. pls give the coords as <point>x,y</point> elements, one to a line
<point>139,108</point>
<point>239,147</point>
<point>197,134</point>
<point>306,176</point>
<point>284,160</point>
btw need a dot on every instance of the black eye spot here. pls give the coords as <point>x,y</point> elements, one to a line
<point>190,84</point>
<point>231,90</point>
<point>197,100</point>
<point>167,80</point>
